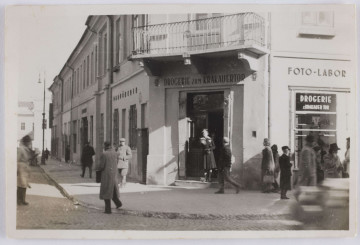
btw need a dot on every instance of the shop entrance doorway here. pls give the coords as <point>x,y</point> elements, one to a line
<point>204,110</point>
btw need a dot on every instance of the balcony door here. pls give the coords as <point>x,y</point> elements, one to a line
<point>205,31</point>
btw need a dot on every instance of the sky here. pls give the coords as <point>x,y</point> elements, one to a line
<point>45,42</point>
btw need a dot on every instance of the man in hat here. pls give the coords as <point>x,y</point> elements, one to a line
<point>87,159</point>
<point>307,163</point>
<point>285,172</point>
<point>267,166</point>
<point>109,180</point>
<point>346,162</point>
<point>124,155</point>
<point>224,166</point>
<point>333,166</point>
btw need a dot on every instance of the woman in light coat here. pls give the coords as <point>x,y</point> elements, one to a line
<point>109,177</point>
<point>23,157</point>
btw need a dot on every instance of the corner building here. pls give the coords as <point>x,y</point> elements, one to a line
<point>159,80</point>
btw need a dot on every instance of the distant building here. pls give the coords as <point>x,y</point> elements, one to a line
<point>26,119</point>
<point>158,80</point>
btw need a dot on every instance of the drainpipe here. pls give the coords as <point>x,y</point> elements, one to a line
<point>110,80</point>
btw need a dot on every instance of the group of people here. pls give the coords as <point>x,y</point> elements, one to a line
<point>223,164</point>
<point>315,164</point>
<point>113,168</point>
<point>272,165</point>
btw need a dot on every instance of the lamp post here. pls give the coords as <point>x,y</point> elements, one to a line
<point>43,126</point>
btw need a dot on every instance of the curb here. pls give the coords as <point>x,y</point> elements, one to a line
<point>168,215</point>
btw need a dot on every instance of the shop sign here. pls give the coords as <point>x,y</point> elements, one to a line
<point>316,102</point>
<point>207,80</point>
<point>306,71</point>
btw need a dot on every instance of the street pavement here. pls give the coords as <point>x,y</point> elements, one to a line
<point>49,209</point>
<point>170,201</point>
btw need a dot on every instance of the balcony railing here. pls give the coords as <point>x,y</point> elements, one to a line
<point>198,35</point>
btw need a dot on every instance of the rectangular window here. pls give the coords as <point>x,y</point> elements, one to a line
<point>79,131</point>
<point>88,72</point>
<point>96,62</point>
<point>22,126</point>
<point>117,42</point>
<point>132,127</point>
<point>116,126</point>
<point>322,18</point>
<point>83,78</point>
<point>105,53</point>
<point>318,23</point>
<point>102,128</point>
<point>78,81</point>
<point>123,123</point>
<point>92,68</point>
<point>315,115</point>
<point>143,115</point>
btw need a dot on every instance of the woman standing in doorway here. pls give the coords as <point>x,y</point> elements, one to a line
<point>209,160</point>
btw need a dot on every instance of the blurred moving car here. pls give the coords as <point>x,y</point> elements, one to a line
<point>325,206</point>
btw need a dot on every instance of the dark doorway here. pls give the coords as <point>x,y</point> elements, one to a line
<point>84,131</point>
<point>205,110</point>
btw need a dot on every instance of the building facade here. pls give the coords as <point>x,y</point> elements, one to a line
<point>159,80</point>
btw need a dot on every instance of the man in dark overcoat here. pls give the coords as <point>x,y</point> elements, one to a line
<point>86,159</point>
<point>109,177</point>
<point>224,166</point>
<point>285,172</point>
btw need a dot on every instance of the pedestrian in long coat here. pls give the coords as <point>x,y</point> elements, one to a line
<point>267,166</point>
<point>307,163</point>
<point>224,166</point>
<point>275,152</point>
<point>23,157</point>
<point>285,172</point>
<point>209,159</point>
<point>109,177</point>
<point>86,159</point>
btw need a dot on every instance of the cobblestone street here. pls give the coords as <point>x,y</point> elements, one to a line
<point>57,212</point>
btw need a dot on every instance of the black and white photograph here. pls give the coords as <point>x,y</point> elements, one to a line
<point>181,121</point>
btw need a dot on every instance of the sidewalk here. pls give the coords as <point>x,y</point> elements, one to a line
<point>169,201</point>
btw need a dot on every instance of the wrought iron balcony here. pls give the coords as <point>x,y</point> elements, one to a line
<point>219,33</point>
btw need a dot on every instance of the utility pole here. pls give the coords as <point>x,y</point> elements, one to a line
<point>43,126</point>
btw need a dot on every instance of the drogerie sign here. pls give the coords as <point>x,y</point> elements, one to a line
<point>315,102</point>
<point>212,79</point>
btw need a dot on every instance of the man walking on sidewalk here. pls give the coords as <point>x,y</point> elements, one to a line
<point>86,159</point>
<point>224,166</point>
<point>124,154</point>
<point>109,178</point>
